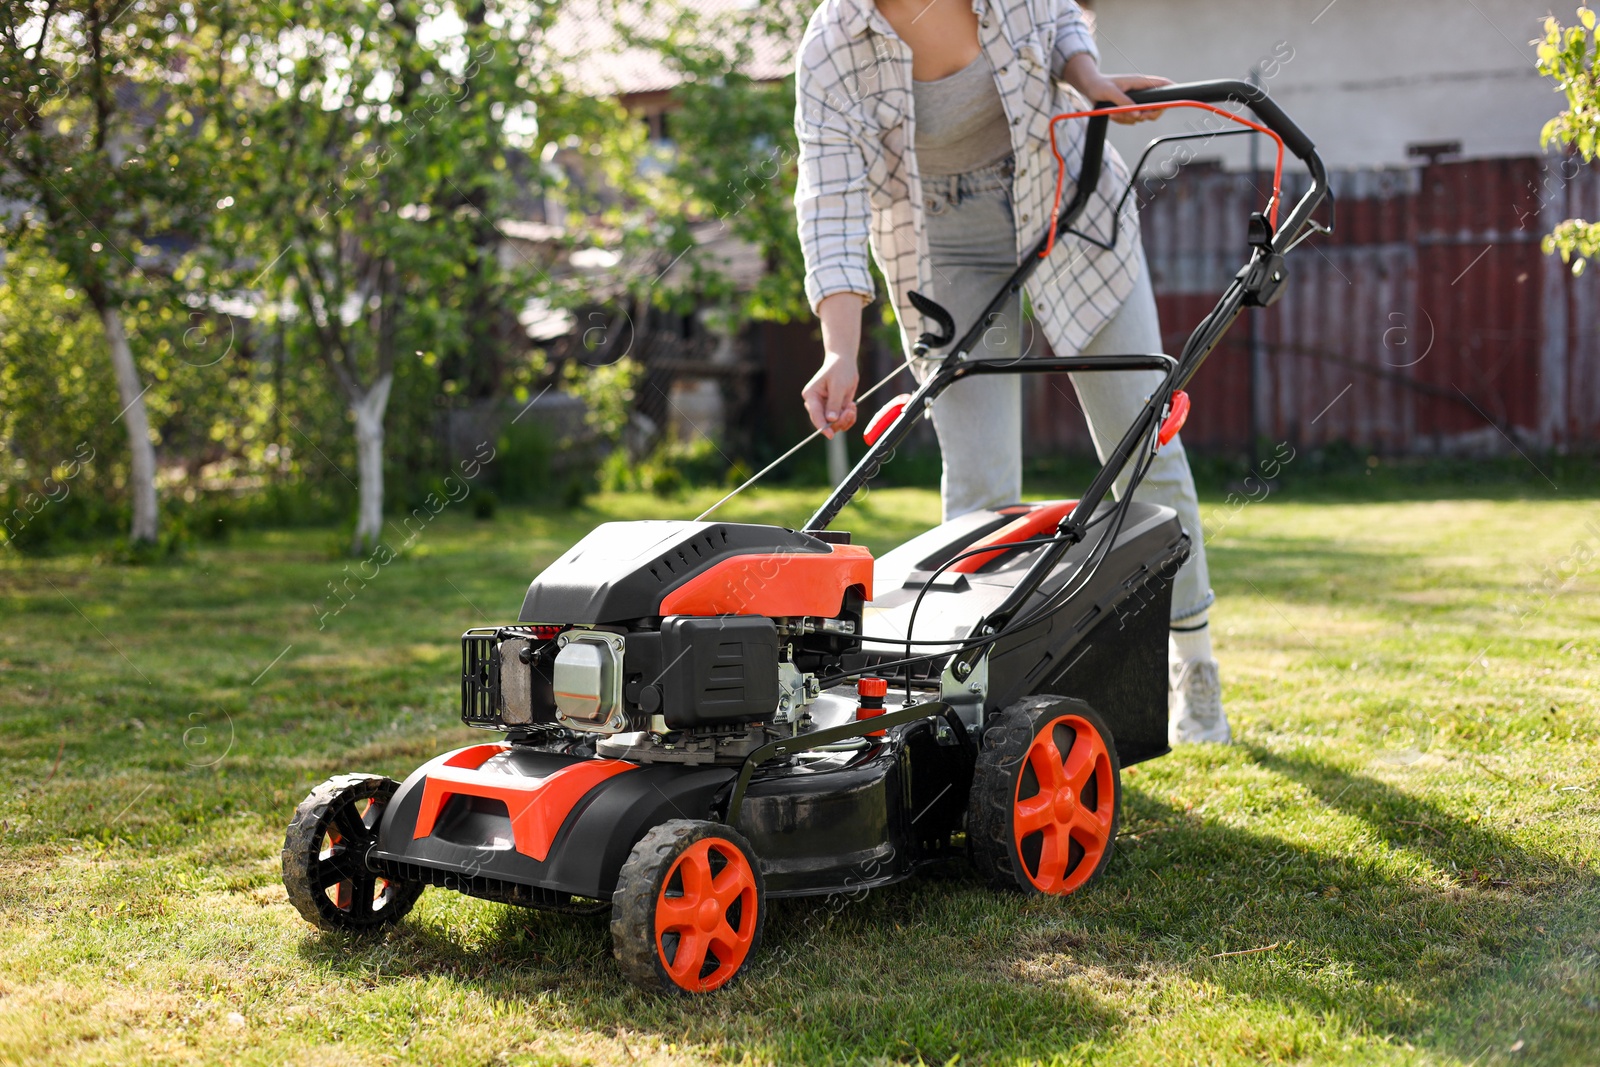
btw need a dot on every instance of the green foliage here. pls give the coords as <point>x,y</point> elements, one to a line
<point>335,188</point>
<point>373,148</point>
<point>101,104</point>
<point>521,471</point>
<point>1570,55</point>
<point>54,357</point>
<point>607,392</point>
<point>260,439</point>
<point>168,547</point>
<point>671,468</point>
<point>103,107</point>
<point>731,167</point>
<point>286,203</point>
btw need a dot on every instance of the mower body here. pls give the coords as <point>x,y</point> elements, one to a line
<point>678,670</point>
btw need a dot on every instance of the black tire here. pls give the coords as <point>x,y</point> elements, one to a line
<point>1003,847</point>
<point>325,857</point>
<point>648,948</point>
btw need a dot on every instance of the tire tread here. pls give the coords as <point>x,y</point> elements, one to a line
<point>1005,743</point>
<point>303,841</point>
<point>633,935</point>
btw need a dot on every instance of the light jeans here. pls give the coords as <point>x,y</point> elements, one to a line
<point>979,419</point>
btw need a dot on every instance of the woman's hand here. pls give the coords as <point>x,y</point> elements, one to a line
<point>830,395</point>
<point>1083,74</point>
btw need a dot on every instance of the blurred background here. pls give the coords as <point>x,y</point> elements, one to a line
<point>300,263</point>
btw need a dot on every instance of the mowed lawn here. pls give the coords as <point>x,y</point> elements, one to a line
<point>1396,862</point>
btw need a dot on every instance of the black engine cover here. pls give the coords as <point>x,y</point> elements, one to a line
<point>622,570</point>
<point>719,669</point>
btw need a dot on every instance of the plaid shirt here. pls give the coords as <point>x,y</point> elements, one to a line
<point>859,187</point>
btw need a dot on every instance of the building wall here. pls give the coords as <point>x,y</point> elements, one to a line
<point>1364,78</point>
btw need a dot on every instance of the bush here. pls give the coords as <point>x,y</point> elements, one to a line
<point>671,468</point>
<point>63,451</point>
<point>520,473</point>
<point>38,519</point>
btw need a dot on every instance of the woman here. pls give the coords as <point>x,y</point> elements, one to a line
<point>924,129</point>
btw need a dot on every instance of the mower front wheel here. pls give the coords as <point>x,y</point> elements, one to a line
<point>689,907</point>
<point>325,857</point>
<point>1046,797</point>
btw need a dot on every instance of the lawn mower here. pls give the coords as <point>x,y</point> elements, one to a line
<point>699,717</point>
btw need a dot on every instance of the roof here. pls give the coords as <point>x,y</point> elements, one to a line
<point>588,32</point>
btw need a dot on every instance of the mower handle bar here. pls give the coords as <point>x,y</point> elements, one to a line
<point>1255,285</point>
<point>1220,91</point>
<point>1233,91</point>
<point>1273,117</point>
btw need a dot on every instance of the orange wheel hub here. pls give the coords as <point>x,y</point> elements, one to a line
<point>1065,803</point>
<point>706,915</point>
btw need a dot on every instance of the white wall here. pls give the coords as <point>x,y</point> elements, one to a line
<point>1364,78</point>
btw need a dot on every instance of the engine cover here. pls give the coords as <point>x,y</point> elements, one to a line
<point>625,571</point>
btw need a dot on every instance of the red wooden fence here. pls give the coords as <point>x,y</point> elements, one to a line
<point>1430,322</point>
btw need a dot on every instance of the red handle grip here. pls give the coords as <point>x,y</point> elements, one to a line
<point>1175,417</point>
<point>885,418</point>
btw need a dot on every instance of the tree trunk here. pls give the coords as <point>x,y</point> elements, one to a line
<point>838,458</point>
<point>368,409</point>
<point>142,474</point>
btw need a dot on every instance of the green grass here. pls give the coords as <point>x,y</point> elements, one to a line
<point>1400,849</point>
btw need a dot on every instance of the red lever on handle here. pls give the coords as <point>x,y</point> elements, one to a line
<point>885,418</point>
<point>1175,418</point>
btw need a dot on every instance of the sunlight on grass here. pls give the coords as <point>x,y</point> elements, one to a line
<point>1394,863</point>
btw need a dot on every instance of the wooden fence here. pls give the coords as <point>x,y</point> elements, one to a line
<point>1429,322</point>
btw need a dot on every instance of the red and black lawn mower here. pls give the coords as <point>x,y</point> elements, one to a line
<point>699,717</point>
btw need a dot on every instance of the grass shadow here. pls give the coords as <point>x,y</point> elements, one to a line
<point>1419,914</point>
<point>1426,913</point>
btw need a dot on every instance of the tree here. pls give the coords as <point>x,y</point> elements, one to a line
<point>733,161</point>
<point>99,104</point>
<point>373,165</point>
<point>1571,56</point>
<point>733,155</point>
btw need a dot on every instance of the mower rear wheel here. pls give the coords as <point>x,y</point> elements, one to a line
<point>1046,797</point>
<point>325,857</point>
<point>689,907</point>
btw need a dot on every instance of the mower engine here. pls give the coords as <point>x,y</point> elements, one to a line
<point>671,641</point>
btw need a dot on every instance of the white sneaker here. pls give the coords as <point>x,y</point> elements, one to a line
<point>1194,704</point>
